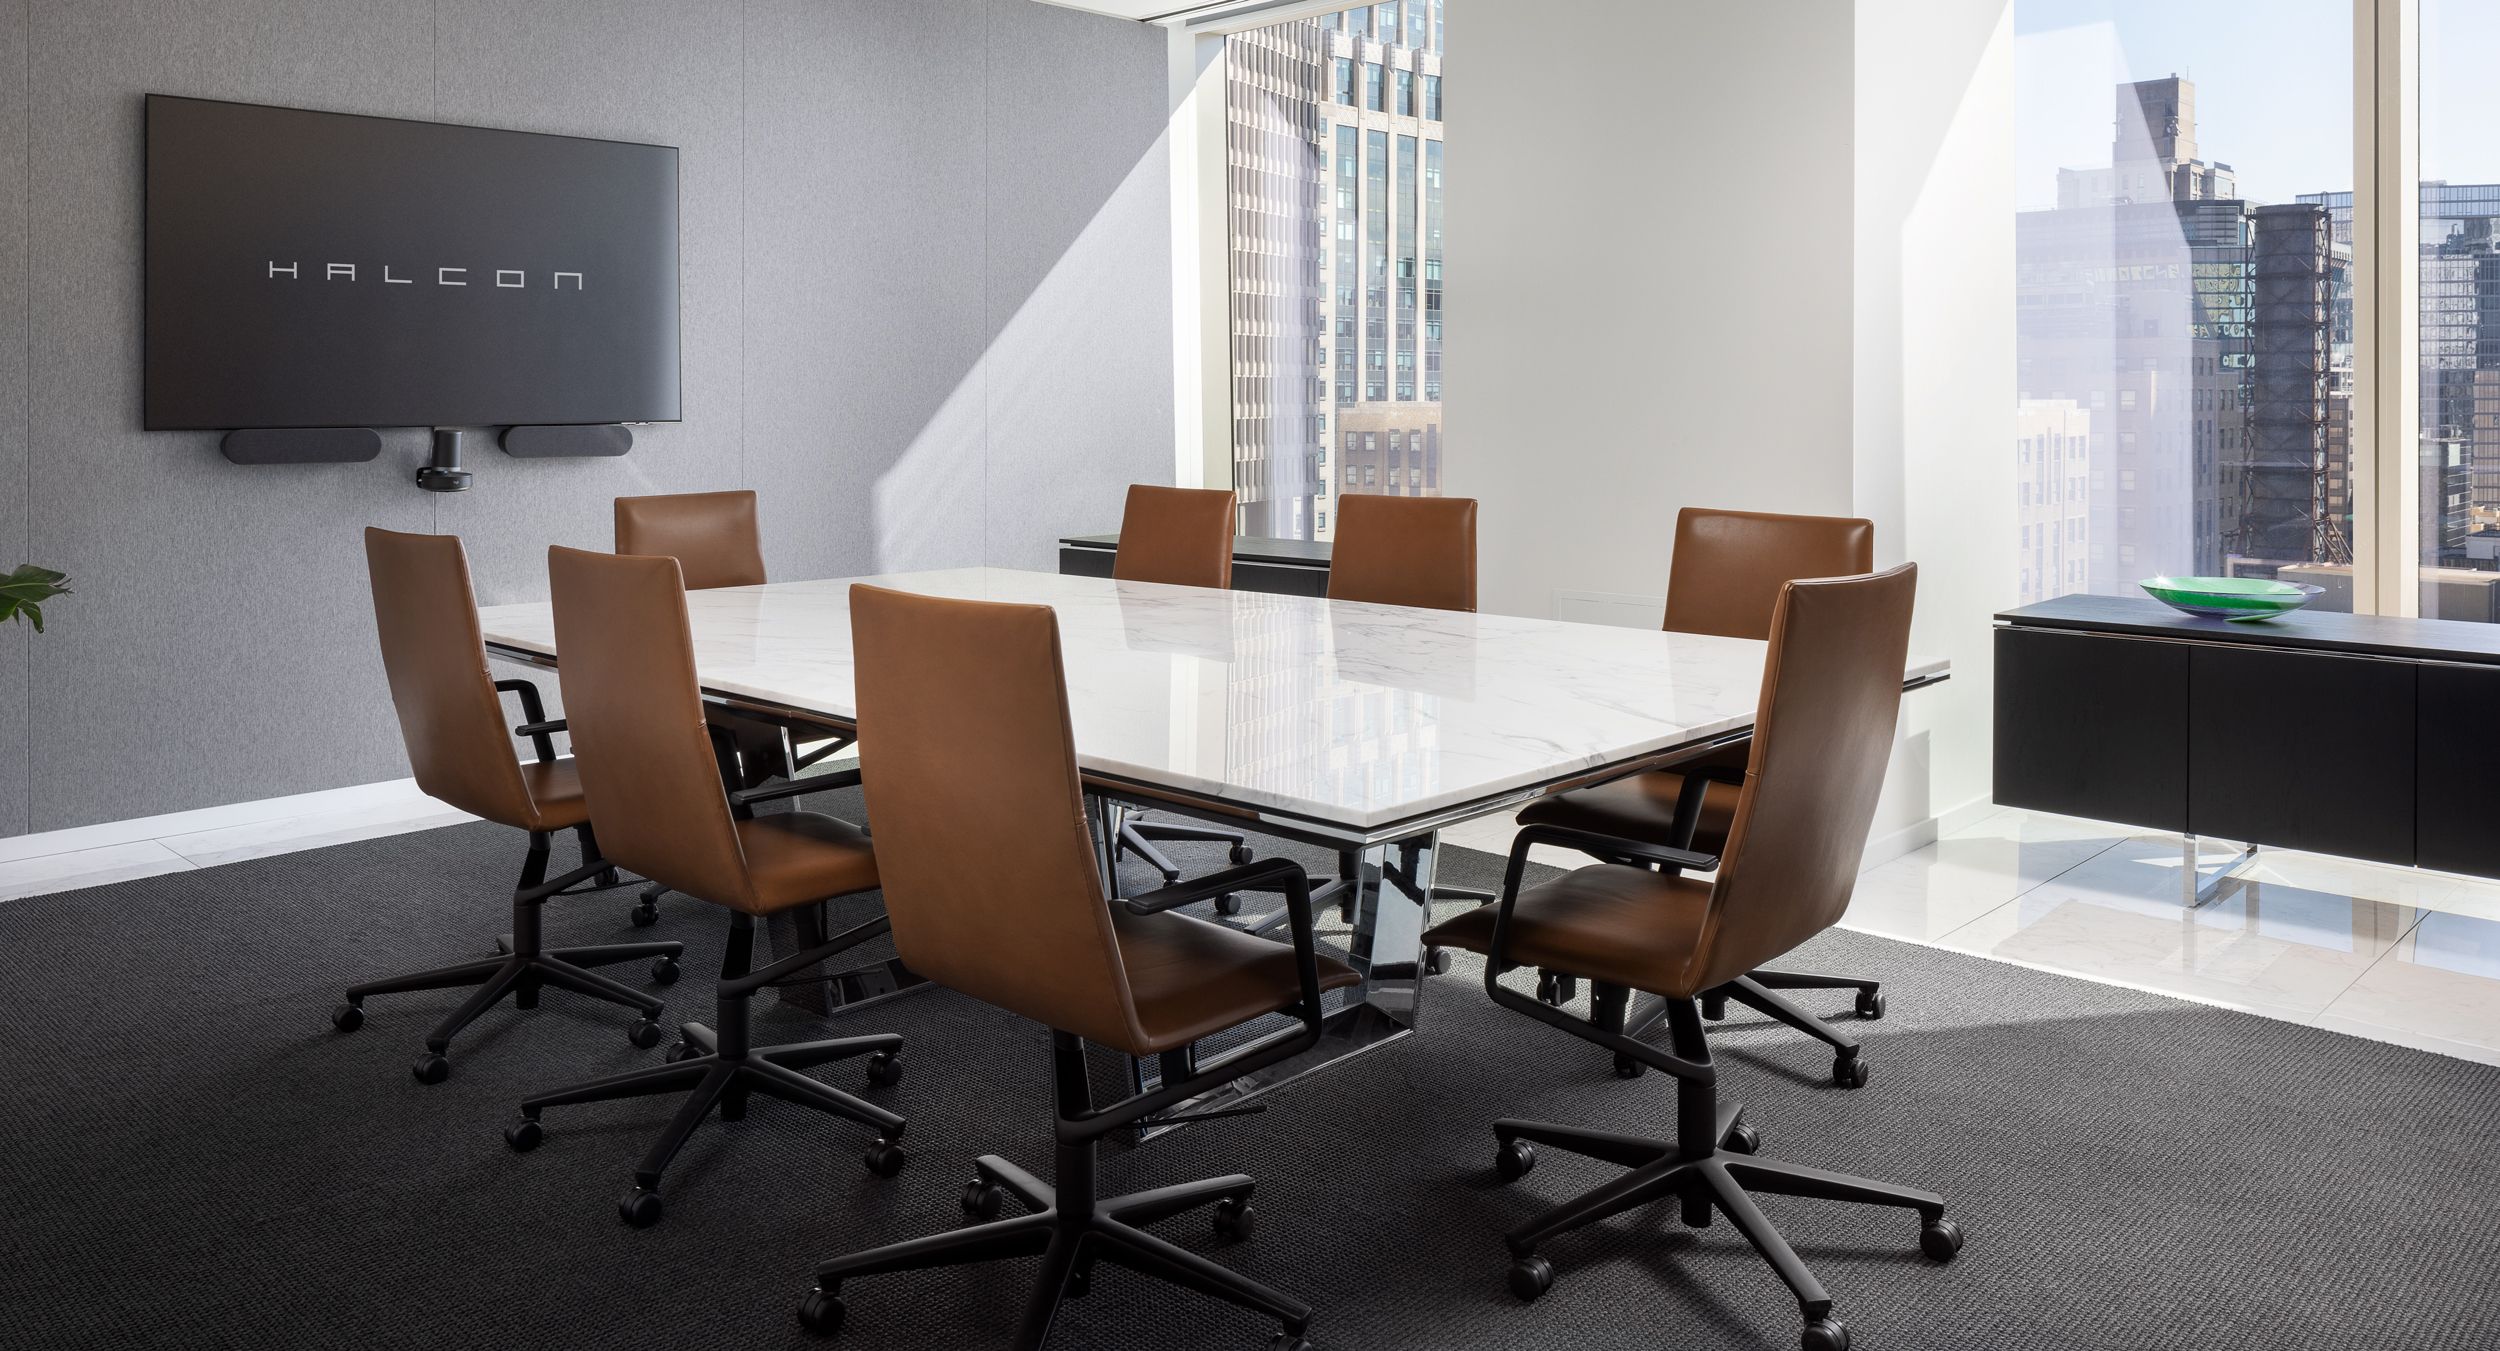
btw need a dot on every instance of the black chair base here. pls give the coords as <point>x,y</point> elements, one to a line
<point>1759,991</point>
<point>1138,837</point>
<point>719,1069</point>
<point>521,968</point>
<point>1712,1169</point>
<point>1071,1229</point>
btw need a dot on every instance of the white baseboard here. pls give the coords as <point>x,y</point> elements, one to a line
<point>1920,834</point>
<point>356,797</point>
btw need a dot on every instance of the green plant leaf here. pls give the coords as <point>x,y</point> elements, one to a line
<point>34,615</point>
<point>24,590</point>
<point>28,572</point>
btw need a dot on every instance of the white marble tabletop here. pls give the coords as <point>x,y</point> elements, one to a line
<point>1355,716</point>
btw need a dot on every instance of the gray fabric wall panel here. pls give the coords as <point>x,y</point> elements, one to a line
<point>1079,365</point>
<point>864,290</point>
<point>13,278</point>
<point>220,644</point>
<point>873,193</point>
<point>660,71</point>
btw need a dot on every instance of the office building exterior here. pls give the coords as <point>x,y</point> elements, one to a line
<point>1334,160</point>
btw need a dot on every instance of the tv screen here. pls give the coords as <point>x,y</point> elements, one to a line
<point>310,269</point>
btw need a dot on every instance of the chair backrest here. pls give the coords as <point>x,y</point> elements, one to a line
<point>1729,565</point>
<point>712,536</point>
<point>1179,536</point>
<point>1831,691</point>
<point>963,716</point>
<point>1405,551</point>
<point>625,655</point>
<point>426,612</point>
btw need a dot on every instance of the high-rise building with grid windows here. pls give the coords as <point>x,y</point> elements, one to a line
<point>1334,160</point>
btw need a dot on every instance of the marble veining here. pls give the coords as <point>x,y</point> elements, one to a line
<point>1350,714</point>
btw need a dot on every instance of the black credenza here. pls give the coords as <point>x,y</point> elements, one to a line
<point>1285,567</point>
<point>2369,737</point>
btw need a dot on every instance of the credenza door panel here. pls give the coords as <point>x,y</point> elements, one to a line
<point>2302,750</point>
<point>2457,783</point>
<point>2088,725</point>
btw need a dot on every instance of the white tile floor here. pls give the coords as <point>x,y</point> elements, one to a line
<point>2387,953</point>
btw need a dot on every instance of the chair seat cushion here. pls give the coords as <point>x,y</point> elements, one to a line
<point>555,793</point>
<point>1192,979</point>
<point>1641,807</point>
<point>798,858</point>
<point>1623,926</point>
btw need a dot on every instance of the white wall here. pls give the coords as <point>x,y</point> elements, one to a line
<point>1647,235</point>
<point>1755,256</point>
<point>1934,320</point>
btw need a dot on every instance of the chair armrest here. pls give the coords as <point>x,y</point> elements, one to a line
<point>1612,848</point>
<point>1497,959</point>
<point>534,724</point>
<point>1696,794</point>
<point>1275,874</point>
<point>1261,876</point>
<point>813,783</point>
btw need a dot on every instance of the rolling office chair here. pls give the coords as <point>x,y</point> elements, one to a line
<point>716,542</point>
<point>965,706</point>
<point>1831,691</point>
<point>451,717</point>
<point>652,772</point>
<point>1179,537</point>
<point>1725,580</point>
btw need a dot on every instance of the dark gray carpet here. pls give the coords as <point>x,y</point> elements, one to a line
<point>190,1157</point>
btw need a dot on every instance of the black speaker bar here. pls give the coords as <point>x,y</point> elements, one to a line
<point>547,443</point>
<point>302,445</point>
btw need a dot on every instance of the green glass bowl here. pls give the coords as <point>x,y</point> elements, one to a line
<point>2234,598</point>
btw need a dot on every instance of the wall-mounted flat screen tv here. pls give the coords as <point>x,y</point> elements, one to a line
<point>310,269</point>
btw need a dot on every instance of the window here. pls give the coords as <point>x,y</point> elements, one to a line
<point>2459,303</point>
<point>2178,281</point>
<point>1336,264</point>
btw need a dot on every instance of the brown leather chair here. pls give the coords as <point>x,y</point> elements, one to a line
<point>451,718</point>
<point>1725,580</point>
<point>1178,537</point>
<point>712,536</point>
<point>1823,734</point>
<point>651,770</point>
<point>1418,551</point>
<point>963,711</point>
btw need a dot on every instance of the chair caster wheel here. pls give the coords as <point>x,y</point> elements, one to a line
<point>1826,1334</point>
<point>1556,990</point>
<point>1742,1139</point>
<point>1628,1068</point>
<point>646,915</point>
<point>1437,961</point>
<point>640,1208</point>
<point>885,1070</point>
<point>982,1200</point>
<point>524,1135</point>
<point>1940,1239</point>
<point>347,1017</point>
<point>683,1051</point>
<point>884,1158</point>
<point>1235,1220</point>
<point>821,1313</point>
<point>1286,1341</point>
<point>1714,1007</point>
<point>1849,1071</point>
<point>1239,854</point>
<point>665,971</point>
<point>607,878</point>
<point>1870,1004</point>
<point>645,1034</point>
<point>431,1068</point>
<point>1080,1282</point>
<point>1514,1159</point>
<point>1530,1277</point>
<point>1228,904</point>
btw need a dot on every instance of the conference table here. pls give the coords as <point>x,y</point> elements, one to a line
<point>1364,729</point>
